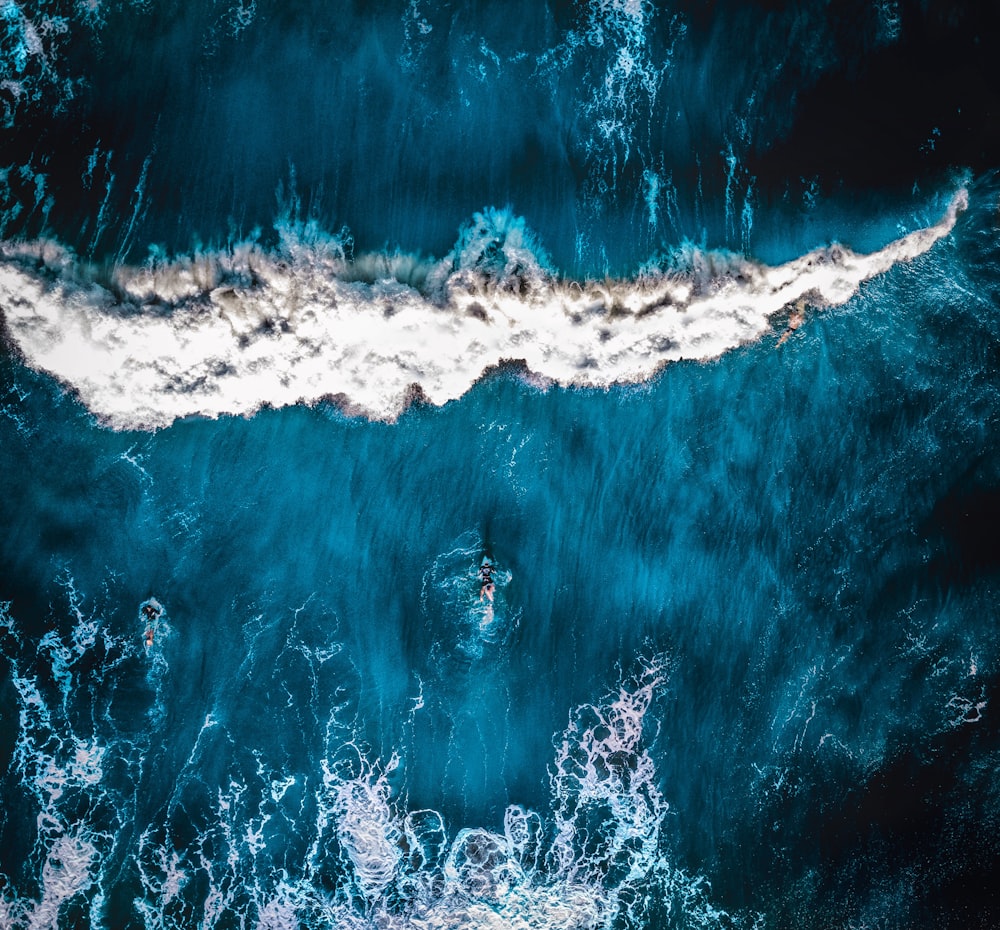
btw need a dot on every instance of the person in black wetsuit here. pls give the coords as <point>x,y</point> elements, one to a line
<point>487,587</point>
<point>152,614</point>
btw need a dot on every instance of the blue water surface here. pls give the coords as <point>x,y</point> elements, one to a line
<point>800,533</point>
<point>740,664</point>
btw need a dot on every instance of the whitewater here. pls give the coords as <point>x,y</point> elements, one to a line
<point>229,332</point>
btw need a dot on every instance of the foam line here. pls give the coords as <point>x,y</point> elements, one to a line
<point>229,332</point>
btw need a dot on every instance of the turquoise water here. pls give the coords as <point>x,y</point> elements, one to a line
<point>797,536</point>
<point>738,666</point>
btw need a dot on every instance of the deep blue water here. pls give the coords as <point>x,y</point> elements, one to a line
<point>740,662</point>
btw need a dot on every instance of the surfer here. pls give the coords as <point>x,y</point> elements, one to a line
<point>488,586</point>
<point>795,319</point>
<point>151,610</point>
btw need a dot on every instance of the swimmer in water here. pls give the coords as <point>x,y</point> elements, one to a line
<point>487,587</point>
<point>152,613</point>
<point>795,319</point>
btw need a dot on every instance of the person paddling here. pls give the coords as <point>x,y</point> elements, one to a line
<point>487,587</point>
<point>151,611</point>
<point>795,319</point>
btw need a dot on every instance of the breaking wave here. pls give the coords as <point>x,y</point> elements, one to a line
<point>228,332</point>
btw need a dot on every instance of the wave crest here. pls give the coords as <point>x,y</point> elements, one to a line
<point>228,332</point>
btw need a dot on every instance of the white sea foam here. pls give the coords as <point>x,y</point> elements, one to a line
<point>366,827</point>
<point>227,333</point>
<point>596,863</point>
<point>56,766</point>
<point>596,859</point>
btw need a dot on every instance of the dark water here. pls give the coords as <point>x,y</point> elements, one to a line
<point>739,665</point>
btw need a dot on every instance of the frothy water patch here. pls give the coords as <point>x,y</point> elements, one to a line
<point>227,333</point>
<point>367,830</point>
<point>62,762</point>
<point>597,860</point>
<point>333,845</point>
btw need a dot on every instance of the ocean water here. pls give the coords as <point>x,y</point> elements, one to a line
<point>683,318</point>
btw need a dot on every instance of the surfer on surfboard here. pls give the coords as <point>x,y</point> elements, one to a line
<point>151,610</point>
<point>487,585</point>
